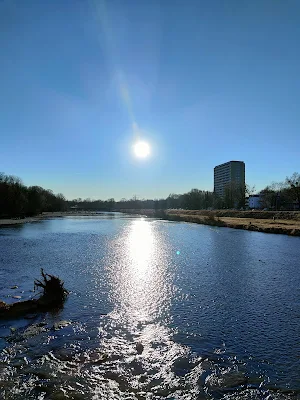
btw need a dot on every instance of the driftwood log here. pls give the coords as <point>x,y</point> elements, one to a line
<point>53,296</point>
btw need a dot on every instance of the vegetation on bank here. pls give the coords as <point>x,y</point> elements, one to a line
<point>258,214</point>
<point>18,200</point>
<point>194,199</point>
<point>277,196</point>
<point>90,205</point>
<point>216,214</point>
<point>281,195</point>
<point>283,222</point>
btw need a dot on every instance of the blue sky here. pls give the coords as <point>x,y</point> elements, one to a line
<point>204,82</point>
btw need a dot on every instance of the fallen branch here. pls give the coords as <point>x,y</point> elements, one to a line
<point>53,296</point>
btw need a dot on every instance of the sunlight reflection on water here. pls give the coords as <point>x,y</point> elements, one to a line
<point>141,245</point>
<point>142,292</point>
<point>141,288</point>
<point>137,272</point>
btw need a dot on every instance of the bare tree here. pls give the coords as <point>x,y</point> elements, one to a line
<point>293,184</point>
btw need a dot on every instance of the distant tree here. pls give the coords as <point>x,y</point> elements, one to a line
<point>36,200</point>
<point>13,196</point>
<point>18,200</point>
<point>217,202</point>
<point>268,198</point>
<point>110,204</point>
<point>234,195</point>
<point>241,192</point>
<point>293,184</point>
<point>174,201</point>
<point>229,196</point>
<point>249,190</point>
<point>60,202</point>
<point>193,200</point>
<point>135,203</point>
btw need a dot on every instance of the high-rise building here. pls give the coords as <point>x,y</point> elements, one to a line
<point>231,172</point>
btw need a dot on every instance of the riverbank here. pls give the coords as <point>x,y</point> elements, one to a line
<point>14,221</point>
<point>285,227</point>
<point>280,222</point>
<point>46,215</point>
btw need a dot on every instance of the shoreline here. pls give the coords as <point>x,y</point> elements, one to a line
<point>285,223</point>
<point>5,222</point>
<point>11,222</point>
<point>283,227</point>
<point>257,223</point>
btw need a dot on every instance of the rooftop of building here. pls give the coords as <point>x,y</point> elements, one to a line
<point>228,162</point>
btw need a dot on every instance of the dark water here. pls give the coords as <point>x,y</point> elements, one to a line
<point>217,311</point>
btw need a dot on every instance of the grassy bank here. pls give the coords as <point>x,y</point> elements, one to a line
<point>282,215</point>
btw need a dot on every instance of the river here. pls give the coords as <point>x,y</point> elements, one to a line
<point>157,310</point>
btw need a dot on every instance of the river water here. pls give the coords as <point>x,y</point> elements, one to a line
<point>156,309</point>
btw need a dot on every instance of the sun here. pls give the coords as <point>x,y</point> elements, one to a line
<point>141,149</point>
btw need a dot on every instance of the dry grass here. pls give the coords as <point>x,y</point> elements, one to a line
<point>285,215</point>
<point>264,223</point>
<point>282,226</point>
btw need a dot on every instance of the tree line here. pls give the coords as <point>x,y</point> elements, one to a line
<point>275,196</point>
<point>282,195</point>
<point>195,199</point>
<point>90,205</point>
<point>18,200</point>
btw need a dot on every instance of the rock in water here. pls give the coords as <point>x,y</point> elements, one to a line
<point>98,358</point>
<point>33,330</point>
<point>3,305</point>
<point>60,324</point>
<point>139,347</point>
